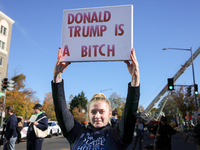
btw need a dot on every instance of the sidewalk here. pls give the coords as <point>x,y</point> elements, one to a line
<point>177,142</point>
<point>185,133</point>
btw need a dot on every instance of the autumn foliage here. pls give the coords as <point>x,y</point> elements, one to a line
<point>21,98</point>
<point>79,114</point>
<point>48,106</point>
<point>117,103</point>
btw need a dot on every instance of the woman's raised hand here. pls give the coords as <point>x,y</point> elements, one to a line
<point>59,67</point>
<point>133,69</point>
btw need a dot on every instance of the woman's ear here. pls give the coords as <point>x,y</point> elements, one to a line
<point>110,113</point>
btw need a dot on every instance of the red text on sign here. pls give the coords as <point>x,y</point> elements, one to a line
<point>87,31</point>
<point>103,50</point>
<point>119,28</point>
<point>89,17</point>
<point>66,51</point>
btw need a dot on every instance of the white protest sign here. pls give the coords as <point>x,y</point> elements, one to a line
<point>97,34</point>
<point>33,118</point>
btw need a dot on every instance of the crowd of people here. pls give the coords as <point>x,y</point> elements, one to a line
<point>162,131</point>
<point>13,125</point>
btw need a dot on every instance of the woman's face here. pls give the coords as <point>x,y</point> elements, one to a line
<point>99,113</point>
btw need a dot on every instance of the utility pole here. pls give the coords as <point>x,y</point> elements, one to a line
<point>3,113</point>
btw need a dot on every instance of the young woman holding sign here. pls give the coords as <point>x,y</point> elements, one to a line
<point>98,134</point>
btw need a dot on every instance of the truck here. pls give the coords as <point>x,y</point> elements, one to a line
<point>146,113</point>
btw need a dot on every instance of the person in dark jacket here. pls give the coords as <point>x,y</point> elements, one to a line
<point>98,134</point>
<point>11,133</point>
<point>34,143</point>
<point>114,119</point>
<point>163,132</point>
<point>196,133</point>
<point>198,119</point>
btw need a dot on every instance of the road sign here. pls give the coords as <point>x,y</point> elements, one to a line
<point>2,107</point>
<point>3,114</point>
<point>2,94</point>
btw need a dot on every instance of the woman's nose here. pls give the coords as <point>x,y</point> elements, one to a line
<point>97,115</point>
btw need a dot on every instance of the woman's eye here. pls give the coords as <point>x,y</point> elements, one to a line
<point>101,112</point>
<point>94,112</point>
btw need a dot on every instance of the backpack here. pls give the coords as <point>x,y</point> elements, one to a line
<point>20,121</point>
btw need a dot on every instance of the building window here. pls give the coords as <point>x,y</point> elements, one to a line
<point>2,44</point>
<point>3,30</point>
<point>1,61</point>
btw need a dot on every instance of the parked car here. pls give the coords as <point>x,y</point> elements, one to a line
<point>53,128</point>
<point>24,131</point>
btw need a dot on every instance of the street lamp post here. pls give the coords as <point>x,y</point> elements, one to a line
<point>105,90</point>
<point>192,68</point>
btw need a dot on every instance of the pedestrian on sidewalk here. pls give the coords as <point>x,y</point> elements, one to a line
<point>11,132</point>
<point>33,142</point>
<point>163,132</point>
<point>196,133</point>
<point>139,129</point>
<point>114,119</point>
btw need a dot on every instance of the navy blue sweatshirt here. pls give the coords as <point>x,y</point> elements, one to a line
<point>43,125</point>
<point>11,127</point>
<point>106,137</point>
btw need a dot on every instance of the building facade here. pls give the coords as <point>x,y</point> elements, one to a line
<point>5,38</point>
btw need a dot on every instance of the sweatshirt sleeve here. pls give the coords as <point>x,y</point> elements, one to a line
<point>63,115</point>
<point>196,130</point>
<point>43,124</point>
<point>127,122</point>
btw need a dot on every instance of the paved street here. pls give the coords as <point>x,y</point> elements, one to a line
<point>60,143</point>
<point>54,143</point>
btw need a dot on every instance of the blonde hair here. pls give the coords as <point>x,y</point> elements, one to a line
<point>95,98</point>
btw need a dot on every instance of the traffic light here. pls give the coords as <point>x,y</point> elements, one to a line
<point>196,89</point>
<point>4,84</point>
<point>170,84</point>
<point>189,91</point>
<point>7,84</point>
